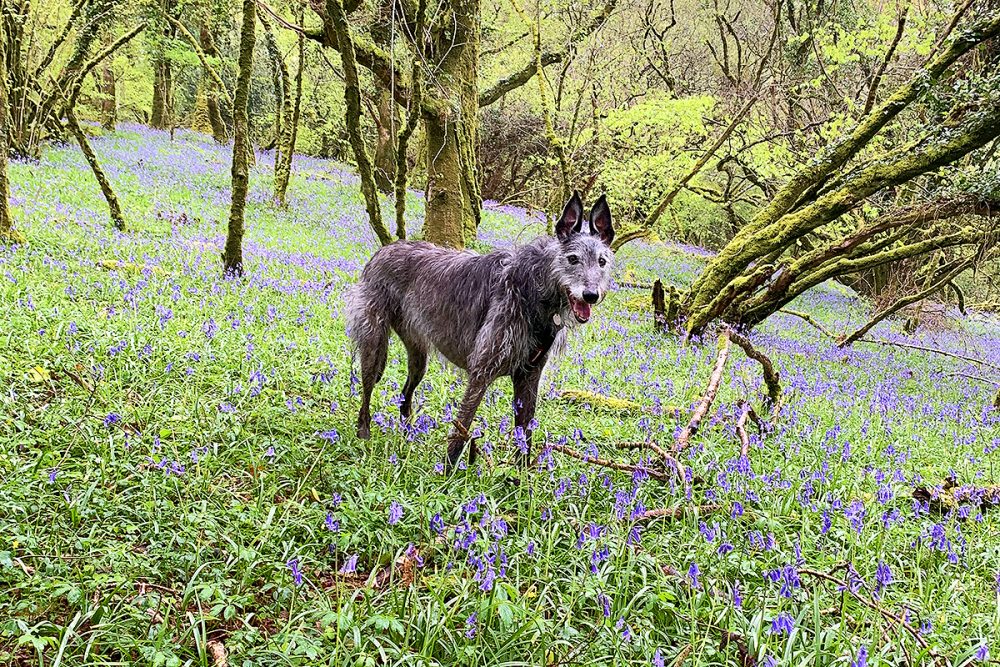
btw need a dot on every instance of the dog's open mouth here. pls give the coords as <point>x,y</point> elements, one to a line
<point>581,309</point>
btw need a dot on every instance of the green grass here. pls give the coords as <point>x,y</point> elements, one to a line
<point>170,441</point>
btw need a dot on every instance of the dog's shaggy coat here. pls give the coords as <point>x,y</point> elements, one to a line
<point>492,315</point>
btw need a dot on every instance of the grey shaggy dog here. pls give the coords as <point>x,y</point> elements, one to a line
<point>498,314</point>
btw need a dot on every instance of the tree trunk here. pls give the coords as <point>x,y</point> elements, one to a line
<point>109,99</point>
<point>453,201</point>
<point>285,119</point>
<point>352,99</point>
<point>232,257</point>
<point>219,130</point>
<point>162,95</point>
<point>8,235</point>
<point>284,172</point>
<point>387,126</point>
<point>114,208</point>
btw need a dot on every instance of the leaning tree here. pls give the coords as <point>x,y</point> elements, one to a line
<point>812,229</point>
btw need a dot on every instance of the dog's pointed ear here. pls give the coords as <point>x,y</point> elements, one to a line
<point>600,221</point>
<point>571,220</point>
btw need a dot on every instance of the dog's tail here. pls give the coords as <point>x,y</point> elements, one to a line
<point>356,307</point>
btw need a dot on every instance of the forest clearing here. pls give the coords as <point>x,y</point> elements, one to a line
<point>774,442</point>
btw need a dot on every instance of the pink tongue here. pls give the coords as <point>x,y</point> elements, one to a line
<point>581,308</point>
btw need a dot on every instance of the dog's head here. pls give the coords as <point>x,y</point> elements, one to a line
<point>583,266</point>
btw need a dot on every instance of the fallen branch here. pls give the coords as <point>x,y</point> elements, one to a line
<point>614,465</point>
<point>808,319</point>
<point>771,376</point>
<point>676,512</point>
<point>741,429</point>
<point>668,460</point>
<point>921,348</point>
<point>684,439</point>
<point>898,620</point>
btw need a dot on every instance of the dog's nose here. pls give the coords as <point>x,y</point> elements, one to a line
<point>590,297</point>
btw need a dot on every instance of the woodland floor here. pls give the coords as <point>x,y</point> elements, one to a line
<point>178,470</point>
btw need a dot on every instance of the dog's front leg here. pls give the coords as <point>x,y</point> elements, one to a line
<point>478,383</point>
<point>525,383</point>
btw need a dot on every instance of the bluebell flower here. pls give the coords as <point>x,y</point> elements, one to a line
<point>783,623</point>
<point>395,513</point>
<point>293,565</point>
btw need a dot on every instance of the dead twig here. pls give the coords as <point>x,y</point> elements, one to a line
<point>676,512</point>
<point>806,317</point>
<point>771,376</point>
<point>871,604</point>
<point>684,439</point>
<point>921,348</point>
<point>668,460</point>
<point>614,465</point>
<point>741,428</point>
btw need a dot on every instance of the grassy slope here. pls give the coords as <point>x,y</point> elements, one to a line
<point>170,442</point>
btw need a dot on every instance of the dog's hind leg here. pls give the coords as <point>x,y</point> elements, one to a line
<point>373,348</point>
<point>416,356</point>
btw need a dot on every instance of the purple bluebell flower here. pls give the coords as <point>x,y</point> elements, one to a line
<point>862,659</point>
<point>471,625</point>
<point>783,623</point>
<point>983,653</point>
<point>293,565</point>
<point>350,565</point>
<point>395,513</point>
<point>693,575</point>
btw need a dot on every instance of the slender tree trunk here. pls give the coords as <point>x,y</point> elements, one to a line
<point>352,98</point>
<point>283,172</point>
<point>219,130</point>
<point>114,208</point>
<point>162,111</point>
<point>232,257</point>
<point>8,235</point>
<point>285,114</point>
<point>109,99</point>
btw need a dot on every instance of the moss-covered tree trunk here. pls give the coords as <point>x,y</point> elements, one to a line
<point>163,85</point>
<point>114,207</point>
<point>109,99</point>
<point>284,114</point>
<point>232,257</point>
<point>450,127</point>
<point>745,282</point>
<point>387,127</point>
<point>8,235</point>
<point>352,99</point>
<point>284,172</point>
<point>219,131</point>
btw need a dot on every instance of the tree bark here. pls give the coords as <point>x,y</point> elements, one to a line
<point>385,145</point>
<point>219,130</point>
<point>284,114</point>
<point>453,201</point>
<point>8,235</point>
<point>352,98</point>
<point>114,208</point>
<point>109,99</point>
<point>161,115</point>
<point>232,257</point>
<point>285,170</point>
<point>162,95</point>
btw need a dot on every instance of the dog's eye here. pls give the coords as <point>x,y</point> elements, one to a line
<point>602,261</point>
<point>573,259</point>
